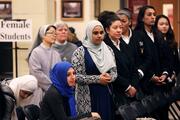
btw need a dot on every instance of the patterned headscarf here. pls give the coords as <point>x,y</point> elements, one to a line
<point>58,76</point>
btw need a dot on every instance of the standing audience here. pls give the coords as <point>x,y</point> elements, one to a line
<point>125,86</point>
<point>43,57</point>
<point>112,64</point>
<point>168,56</point>
<point>165,33</point>
<point>149,56</point>
<point>95,66</point>
<point>125,17</point>
<point>64,48</point>
<point>142,34</point>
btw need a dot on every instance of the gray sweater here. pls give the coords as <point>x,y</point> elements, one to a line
<point>42,59</point>
<point>65,51</point>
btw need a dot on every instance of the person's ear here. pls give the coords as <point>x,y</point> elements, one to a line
<point>107,30</point>
<point>130,22</point>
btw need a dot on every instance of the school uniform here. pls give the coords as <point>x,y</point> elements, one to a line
<point>127,74</point>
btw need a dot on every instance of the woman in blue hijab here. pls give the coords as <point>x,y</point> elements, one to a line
<point>59,101</point>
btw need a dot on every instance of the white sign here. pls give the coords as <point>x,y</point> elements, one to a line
<point>15,30</point>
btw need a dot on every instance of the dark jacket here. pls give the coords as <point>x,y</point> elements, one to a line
<point>142,54</point>
<point>149,59</point>
<point>54,106</point>
<point>127,73</point>
<point>170,57</point>
<point>9,101</point>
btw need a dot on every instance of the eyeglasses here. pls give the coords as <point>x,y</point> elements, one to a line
<point>51,33</point>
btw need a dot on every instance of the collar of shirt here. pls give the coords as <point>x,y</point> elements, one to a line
<point>61,43</point>
<point>127,38</point>
<point>150,34</point>
<point>117,44</point>
<point>44,46</point>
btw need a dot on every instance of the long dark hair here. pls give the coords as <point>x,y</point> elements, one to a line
<point>169,35</point>
<point>140,22</point>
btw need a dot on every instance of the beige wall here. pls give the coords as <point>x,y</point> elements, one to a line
<point>36,10</point>
<point>43,12</point>
<point>112,5</point>
<point>88,14</point>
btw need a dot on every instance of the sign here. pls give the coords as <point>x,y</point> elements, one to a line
<point>15,30</point>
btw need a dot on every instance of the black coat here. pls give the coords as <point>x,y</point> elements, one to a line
<point>127,73</point>
<point>149,58</point>
<point>170,57</point>
<point>142,53</point>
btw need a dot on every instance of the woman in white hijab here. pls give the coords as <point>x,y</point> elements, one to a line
<point>44,57</point>
<point>24,89</point>
<point>95,67</point>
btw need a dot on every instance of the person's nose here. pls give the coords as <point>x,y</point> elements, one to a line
<point>99,35</point>
<point>64,31</point>
<point>73,76</point>
<point>26,95</point>
<point>119,30</point>
<point>153,17</point>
